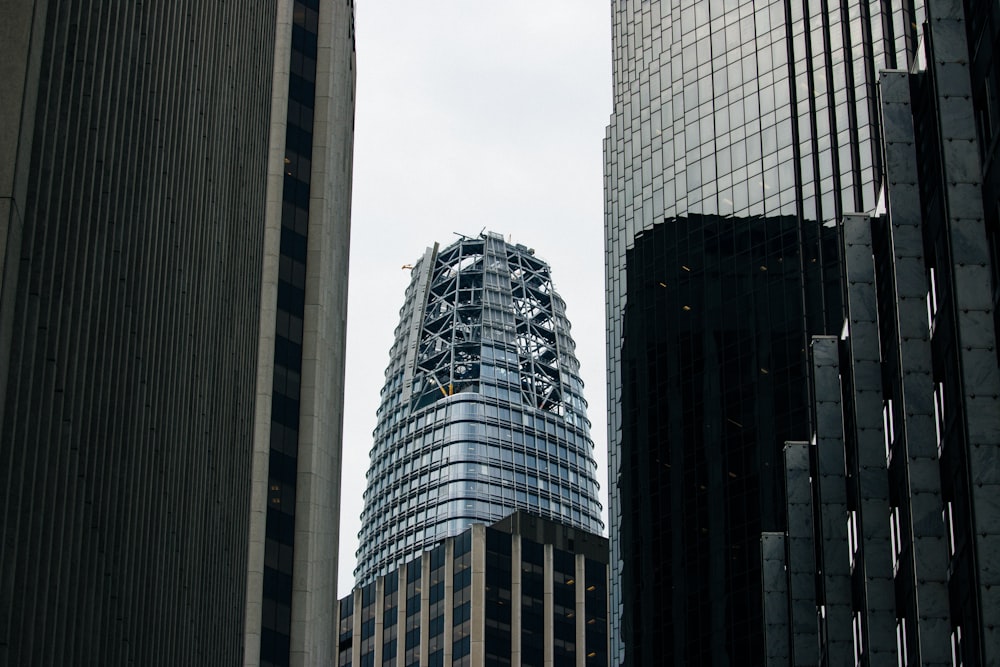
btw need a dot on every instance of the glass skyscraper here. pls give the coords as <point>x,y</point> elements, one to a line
<point>742,133</point>
<point>482,411</point>
<point>802,288</point>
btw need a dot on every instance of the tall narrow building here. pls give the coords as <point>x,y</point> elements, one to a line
<point>802,291</point>
<point>175,185</point>
<point>482,411</point>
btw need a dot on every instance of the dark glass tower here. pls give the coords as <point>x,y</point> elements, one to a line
<point>174,218</point>
<point>712,362</point>
<point>742,132</point>
<point>482,411</point>
<point>778,171</point>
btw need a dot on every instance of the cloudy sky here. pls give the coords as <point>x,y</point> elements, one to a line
<point>471,115</point>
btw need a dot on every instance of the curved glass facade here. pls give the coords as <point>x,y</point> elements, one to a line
<point>482,411</point>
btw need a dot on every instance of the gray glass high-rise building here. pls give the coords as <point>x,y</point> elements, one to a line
<point>175,188</point>
<point>803,288</point>
<point>742,133</point>
<point>482,411</point>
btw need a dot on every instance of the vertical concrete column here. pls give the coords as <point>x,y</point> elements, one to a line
<point>831,493</point>
<point>607,626</point>
<point>477,635</point>
<point>548,587</point>
<point>449,599</point>
<point>977,340</point>
<point>379,611</point>
<point>336,637</point>
<point>929,552</point>
<point>801,555</point>
<point>863,399</point>
<point>416,318</point>
<point>515,599</point>
<point>775,583</point>
<point>265,346</point>
<point>580,593</point>
<point>356,628</point>
<point>317,507</point>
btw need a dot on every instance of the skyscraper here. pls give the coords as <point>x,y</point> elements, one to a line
<point>742,133</point>
<point>174,222</point>
<point>482,411</point>
<point>760,156</point>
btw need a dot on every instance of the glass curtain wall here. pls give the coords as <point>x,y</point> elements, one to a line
<point>741,133</point>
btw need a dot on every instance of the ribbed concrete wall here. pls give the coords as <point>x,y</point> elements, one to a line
<point>865,443</point>
<point>830,506</point>
<point>775,580</point>
<point>801,555</point>
<point>972,380</point>
<point>129,322</point>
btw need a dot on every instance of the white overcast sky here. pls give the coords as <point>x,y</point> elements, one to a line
<point>473,114</point>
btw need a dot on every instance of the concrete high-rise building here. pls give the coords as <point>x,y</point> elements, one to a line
<point>482,411</point>
<point>523,591</point>
<point>752,143</point>
<point>175,186</point>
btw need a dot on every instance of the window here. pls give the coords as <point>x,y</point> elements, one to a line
<point>901,642</point>
<point>896,537</point>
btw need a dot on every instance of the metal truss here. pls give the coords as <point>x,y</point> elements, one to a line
<point>484,292</point>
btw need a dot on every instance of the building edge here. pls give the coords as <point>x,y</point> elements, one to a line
<point>317,510</point>
<point>21,25</point>
<point>317,506</point>
<point>253,615</point>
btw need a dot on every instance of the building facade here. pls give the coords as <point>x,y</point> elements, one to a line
<point>880,547</point>
<point>174,224</point>
<point>713,364</point>
<point>903,455</point>
<point>523,591</point>
<point>482,411</point>
<point>742,134</point>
